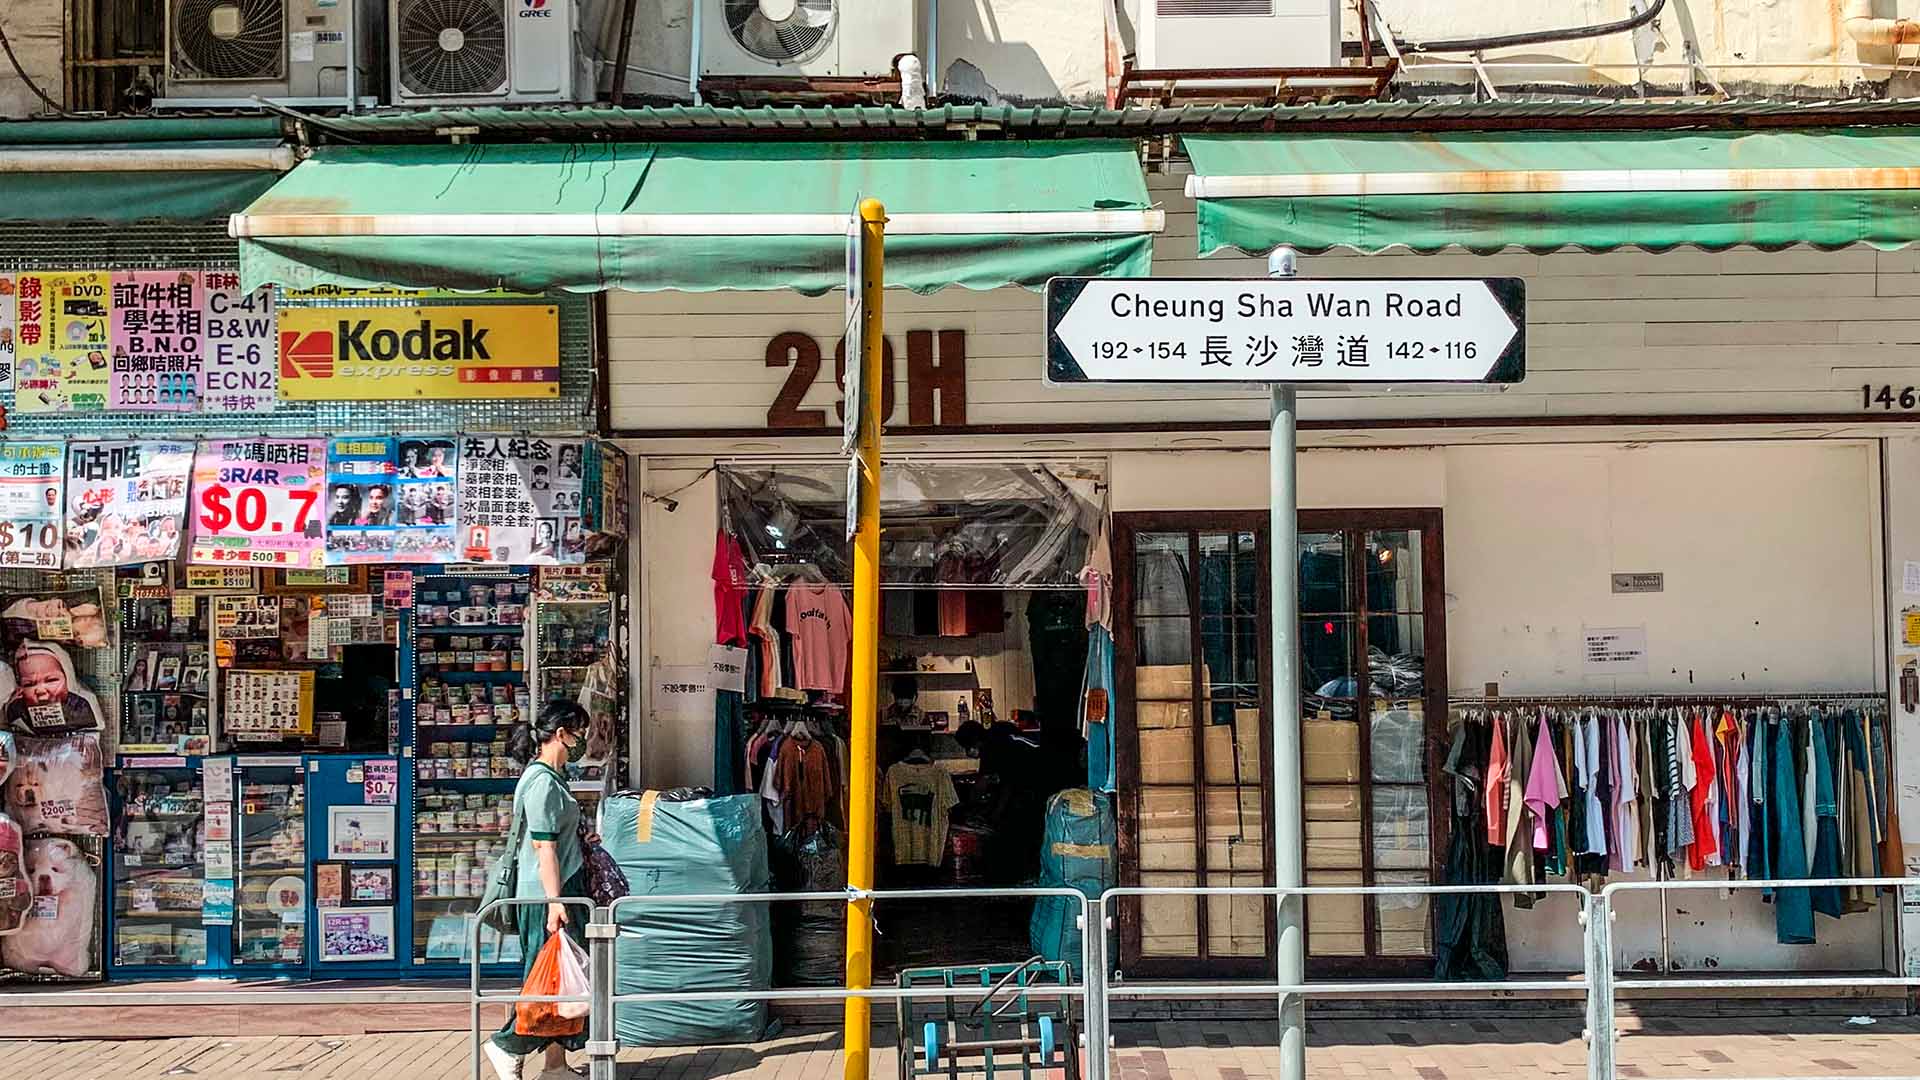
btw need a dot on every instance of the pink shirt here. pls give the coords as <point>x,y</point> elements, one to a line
<point>1543,786</point>
<point>822,630</point>
<point>729,591</point>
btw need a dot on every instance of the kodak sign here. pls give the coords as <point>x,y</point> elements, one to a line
<point>399,353</point>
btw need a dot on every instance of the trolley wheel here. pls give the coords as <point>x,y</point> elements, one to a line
<point>1046,1038</point>
<point>933,1044</point>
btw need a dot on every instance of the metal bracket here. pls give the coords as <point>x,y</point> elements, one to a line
<point>602,931</point>
<point>602,1049</point>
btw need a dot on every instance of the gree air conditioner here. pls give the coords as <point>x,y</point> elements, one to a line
<point>804,38</point>
<point>472,52</point>
<point>315,53</point>
<point>1238,34</point>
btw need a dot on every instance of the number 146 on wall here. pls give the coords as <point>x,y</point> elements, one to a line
<point>1887,398</point>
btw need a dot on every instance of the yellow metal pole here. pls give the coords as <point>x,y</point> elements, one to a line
<point>863,706</point>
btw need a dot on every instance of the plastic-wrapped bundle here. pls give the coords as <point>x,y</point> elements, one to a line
<point>16,887</point>
<point>811,936</point>
<point>1077,854</point>
<point>682,848</point>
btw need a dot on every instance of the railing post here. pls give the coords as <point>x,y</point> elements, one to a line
<point>602,1045</point>
<point>1093,954</point>
<point>1599,942</point>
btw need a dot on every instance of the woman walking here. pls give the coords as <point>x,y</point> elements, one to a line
<point>552,863</point>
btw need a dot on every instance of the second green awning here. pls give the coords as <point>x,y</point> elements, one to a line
<point>697,216</point>
<point>1546,190</point>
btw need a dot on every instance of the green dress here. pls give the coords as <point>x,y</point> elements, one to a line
<point>551,813</point>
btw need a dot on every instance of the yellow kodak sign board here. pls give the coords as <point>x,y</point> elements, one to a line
<point>440,352</point>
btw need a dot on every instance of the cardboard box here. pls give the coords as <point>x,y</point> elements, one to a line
<point>1155,715</point>
<point>1167,682</point>
<point>1330,752</point>
<point>1221,739</point>
<point>1166,756</point>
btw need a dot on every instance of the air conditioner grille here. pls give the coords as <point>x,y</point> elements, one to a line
<point>1175,9</point>
<point>243,40</point>
<point>448,47</point>
<point>801,31</point>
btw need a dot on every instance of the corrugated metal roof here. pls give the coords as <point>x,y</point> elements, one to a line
<point>956,121</point>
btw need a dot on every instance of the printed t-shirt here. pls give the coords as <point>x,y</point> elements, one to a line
<point>919,797</point>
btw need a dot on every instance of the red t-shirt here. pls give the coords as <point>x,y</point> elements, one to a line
<point>729,590</point>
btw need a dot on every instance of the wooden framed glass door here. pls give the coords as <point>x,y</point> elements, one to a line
<point>1373,707</point>
<point>1193,736</point>
<point>1191,634</point>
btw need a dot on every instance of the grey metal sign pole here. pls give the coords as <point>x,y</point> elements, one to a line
<point>1289,840</point>
<point>1284,331</point>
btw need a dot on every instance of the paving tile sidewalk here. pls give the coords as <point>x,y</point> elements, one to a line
<point>1184,1050</point>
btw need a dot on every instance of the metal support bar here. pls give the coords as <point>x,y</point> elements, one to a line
<point>1599,952</point>
<point>1289,840</point>
<point>1093,924</point>
<point>602,1044</point>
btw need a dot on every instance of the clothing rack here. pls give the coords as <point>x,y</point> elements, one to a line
<point>1493,702</point>
<point>1659,700</point>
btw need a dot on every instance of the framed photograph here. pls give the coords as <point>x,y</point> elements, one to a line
<point>360,833</point>
<point>327,890</point>
<point>370,883</point>
<point>356,934</point>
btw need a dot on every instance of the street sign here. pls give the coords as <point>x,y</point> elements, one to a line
<point>855,338</point>
<point>1286,330</point>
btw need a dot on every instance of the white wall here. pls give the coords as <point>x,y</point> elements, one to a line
<point>1773,577</point>
<point>1901,472</point>
<point>33,28</point>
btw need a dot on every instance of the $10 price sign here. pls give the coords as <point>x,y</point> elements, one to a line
<point>32,476</point>
<point>258,503</point>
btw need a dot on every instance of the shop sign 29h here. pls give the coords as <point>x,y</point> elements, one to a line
<point>1286,330</point>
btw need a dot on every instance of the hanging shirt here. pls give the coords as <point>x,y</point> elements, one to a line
<point>822,631</point>
<point>1543,785</point>
<point>1596,813</point>
<point>772,673</point>
<point>1496,789</point>
<point>1626,790</point>
<point>1809,818</point>
<point>729,590</point>
<point>919,796</point>
<point>1097,578</point>
<point>1743,784</point>
<point>1793,908</point>
<point>801,776</point>
<point>1702,798</point>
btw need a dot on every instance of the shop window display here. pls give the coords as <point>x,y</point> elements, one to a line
<point>202,768</point>
<point>985,637</point>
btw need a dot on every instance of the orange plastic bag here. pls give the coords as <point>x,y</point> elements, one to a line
<point>542,1018</point>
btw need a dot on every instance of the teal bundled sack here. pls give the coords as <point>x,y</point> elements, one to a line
<point>703,846</point>
<point>1078,853</point>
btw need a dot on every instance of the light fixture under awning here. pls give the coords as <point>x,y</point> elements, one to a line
<point>698,216</point>
<point>1547,190</point>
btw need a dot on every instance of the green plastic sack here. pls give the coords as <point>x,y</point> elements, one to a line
<point>682,848</point>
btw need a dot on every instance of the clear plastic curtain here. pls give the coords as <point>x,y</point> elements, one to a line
<point>981,525</point>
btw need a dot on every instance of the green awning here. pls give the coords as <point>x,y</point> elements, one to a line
<point>697,216</point>
<point>121,185</point>
<point>1540,190</point>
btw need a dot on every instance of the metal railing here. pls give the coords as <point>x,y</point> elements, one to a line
<point>1594,913</point>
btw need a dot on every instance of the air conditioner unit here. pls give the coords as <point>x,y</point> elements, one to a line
<point>1224,34</point>
<point>802,38</point>
<point>452,52</point>
<point>295,52</point>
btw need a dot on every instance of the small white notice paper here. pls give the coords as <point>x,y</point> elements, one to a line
<point>1910,581</point>
<point>1613,650</point>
